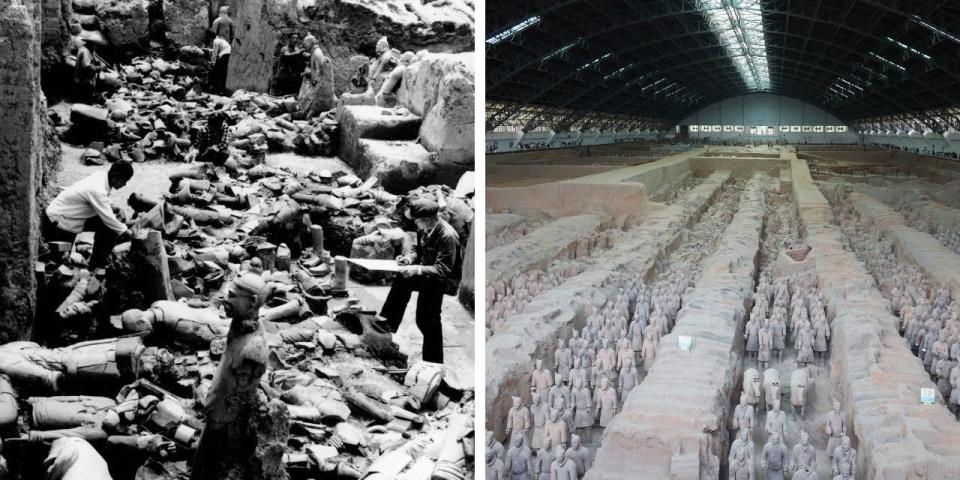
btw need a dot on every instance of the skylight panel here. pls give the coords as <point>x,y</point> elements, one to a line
<point>510,32</point>
<point>618,72</point>
<point>908,48</point>
<point>888,62</point>
<point>739,28</point>
<point>654,84</point>
<point>928,26</point>
<point>562,50</point>
<point>595,61</point>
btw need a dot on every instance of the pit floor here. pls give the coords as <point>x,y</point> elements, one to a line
<point>151,179</point>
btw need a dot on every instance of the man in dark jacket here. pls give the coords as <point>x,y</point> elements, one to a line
<point>432,267</point>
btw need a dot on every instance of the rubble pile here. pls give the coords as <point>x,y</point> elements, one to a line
<point>134,363</point>
<point>158,110</point>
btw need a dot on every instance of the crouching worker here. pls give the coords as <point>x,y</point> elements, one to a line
<point>85,206</point>
<point>432,268</point>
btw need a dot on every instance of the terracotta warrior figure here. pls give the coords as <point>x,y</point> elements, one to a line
<point>804,455</point>
<point>583,401</point>
<point>556,430</point>
<point>778,326</point>
<point>606,402</point>
<point>495,446</point>
<point>776,420</point>
<point>844,457</point>
<point>519,463</point>
<point>774,458</point>
<point>120,359</point>
<point>649,351</point>
<point>580,455</point>
<point>607,357</point>
<point>629,377</point>
<point>518,419</point>
<point>563,468</point>
<point>743,415</point>
<point>836,428</point>
<point>316,92</point>
<point>745,441</point>
<point>752,336</point>
<point>821,338</point>
<point>494,467</point>
<point>741,468</point>
<point>559,393</point>
<point>541,380</point>
<point>563,359</point>
<point>765,339</point>
<point>539,411</point>
<point>228,441</point>
<point>577,373</point>
<point>544,460</point>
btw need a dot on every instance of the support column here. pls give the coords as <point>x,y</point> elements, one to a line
<point>21,150</point>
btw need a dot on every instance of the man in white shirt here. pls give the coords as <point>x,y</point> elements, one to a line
<point>220,58</point>
<point>85,205</point>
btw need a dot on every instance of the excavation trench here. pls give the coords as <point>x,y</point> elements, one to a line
<point>880,380</point>
<point>672,424</point>
<point>555,312</point>
<point>784,260</point>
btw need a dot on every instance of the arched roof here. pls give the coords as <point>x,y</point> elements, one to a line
<point>668,58</point>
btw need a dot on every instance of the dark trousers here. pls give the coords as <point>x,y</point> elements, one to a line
<point>429,302</point>
<point>104,239</point>
<point>218,76</point>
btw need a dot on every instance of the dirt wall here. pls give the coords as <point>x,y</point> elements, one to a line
<point>21,156</point>
<point>344,28</point>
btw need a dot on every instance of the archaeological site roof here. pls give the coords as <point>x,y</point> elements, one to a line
<point>664,59</point>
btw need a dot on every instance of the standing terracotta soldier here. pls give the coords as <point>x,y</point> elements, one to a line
<point>606,402</point>
<point>740,467</point>
<point>779,327</point>
<point>743,415</point>
<point>765,339</point>
<point>836,429</point>
<point>494,467</point>
<point>556,430</point>
<point>541,380</point>
<point>649,351</point>
<point>563,359</point>
<point>316,93</point>
<point>744,441</point>
<point>628,379</point>
<point>804,455</point>
<point>821,334</point>
<point>583,401</point>
<point>539,412</point>
<point>563,468</point>
<point>774,458</point>
<point>752,336</point>
<point>776,420</point>
<point>228,441</point>
<point>519,462</point>
<point>494,445</point>
<point>544,460</point>
<point>844,457</point>
<point>518,419</point>
<point>580,455</point>
<point>577,373</point>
